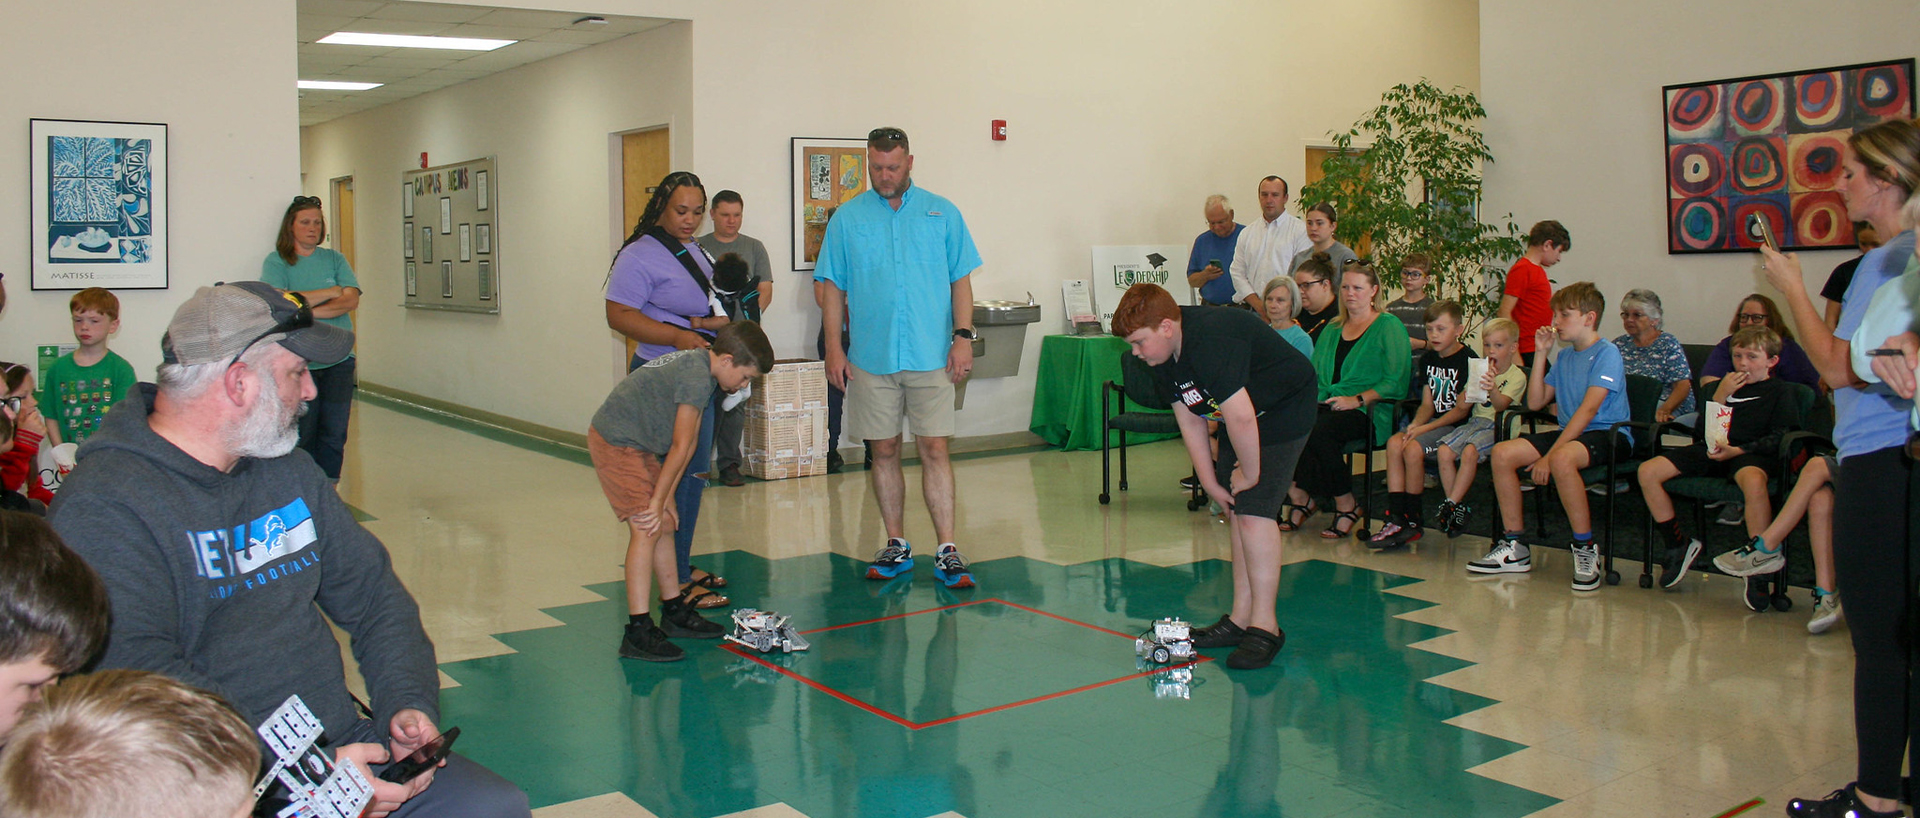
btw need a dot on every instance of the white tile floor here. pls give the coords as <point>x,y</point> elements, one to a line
<point>1626,697</point>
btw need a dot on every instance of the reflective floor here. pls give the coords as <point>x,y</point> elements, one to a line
<point>1405,688</point>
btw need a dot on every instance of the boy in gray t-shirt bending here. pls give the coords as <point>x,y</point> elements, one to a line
<point>642,438</point>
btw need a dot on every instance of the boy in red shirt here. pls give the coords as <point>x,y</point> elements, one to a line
<point>1525,296</point>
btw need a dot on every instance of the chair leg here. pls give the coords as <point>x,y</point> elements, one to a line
<point>1123,460</point>
<point>1106,466</point>
<point>1365,508</point>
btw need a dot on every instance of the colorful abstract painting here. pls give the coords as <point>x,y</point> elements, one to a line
<point>99,205</point>
<point>1771,147</point>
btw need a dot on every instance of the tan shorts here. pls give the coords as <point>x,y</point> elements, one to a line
<point>626,475</point>
<point>876,404</point>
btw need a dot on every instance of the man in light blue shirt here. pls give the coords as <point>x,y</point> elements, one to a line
<point>896,261</point>
<point>1212,254</point>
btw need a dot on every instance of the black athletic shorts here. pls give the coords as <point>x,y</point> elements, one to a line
<point>1598,442</point>
<point>1276,474</point>
<point>1693,461</point>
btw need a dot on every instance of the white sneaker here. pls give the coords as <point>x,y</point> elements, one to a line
<point>1749,560</point>
<point>1586,567</point>
<point>1826,611</point>
<point>1619,487</point>
<point>1508,556</point>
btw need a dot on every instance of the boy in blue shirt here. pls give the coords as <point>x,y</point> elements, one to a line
<point>1591,377</point>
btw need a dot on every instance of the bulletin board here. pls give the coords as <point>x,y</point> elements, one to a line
<point>450,237</point>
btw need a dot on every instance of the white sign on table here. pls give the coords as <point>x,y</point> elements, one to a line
<point>1117,267</point>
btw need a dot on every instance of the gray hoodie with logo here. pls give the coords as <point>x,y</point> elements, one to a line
<point>226,580</point>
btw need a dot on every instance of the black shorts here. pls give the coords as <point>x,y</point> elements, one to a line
<point>1693,461</point>
<point>1276,474</point>
<point>1599,443</point>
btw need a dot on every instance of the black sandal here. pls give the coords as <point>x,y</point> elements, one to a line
<point>1333,532</point>
<point>1288,522</point>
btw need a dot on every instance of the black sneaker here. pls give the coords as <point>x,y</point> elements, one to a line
<point>679,620</point>
<point>835,463</point>
<point>1190,483</point>
<point>1841,803</point>
<point>1457,518</point>
<point>1221,634</point>
<point>730,477</point>
<point>1444,513</point>
<point>645,641</point>
<point>1678,560</point>
<point>1257,649</point>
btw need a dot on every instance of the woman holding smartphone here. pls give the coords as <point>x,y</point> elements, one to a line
<point>1879,176</point>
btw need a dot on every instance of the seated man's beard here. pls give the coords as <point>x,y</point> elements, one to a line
<point>270,430</point>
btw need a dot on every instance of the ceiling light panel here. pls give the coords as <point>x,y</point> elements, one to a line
<point>413,41</point>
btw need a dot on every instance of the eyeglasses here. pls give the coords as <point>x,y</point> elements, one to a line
<point>305,200</point>
<point>1753,318</point>
<point>1306,284</point>
<point>301,319</point>
<point>887,134</point>
<point>1413,274</point>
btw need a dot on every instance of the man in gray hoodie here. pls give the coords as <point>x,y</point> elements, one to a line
<point>222,547</point>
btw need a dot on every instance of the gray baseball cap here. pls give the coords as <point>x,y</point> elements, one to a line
<point>220,322</point>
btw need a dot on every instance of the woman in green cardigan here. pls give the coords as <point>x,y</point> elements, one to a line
<point>1361,359</point>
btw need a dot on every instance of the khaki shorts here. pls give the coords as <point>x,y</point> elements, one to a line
<point>627,476</point>
<point>876,404</point>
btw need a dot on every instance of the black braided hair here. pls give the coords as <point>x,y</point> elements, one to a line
<point>657,205</point>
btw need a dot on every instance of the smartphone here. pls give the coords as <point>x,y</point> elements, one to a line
<point>426,758</point>
<point>1214,262</point>
<point>1764,230</point>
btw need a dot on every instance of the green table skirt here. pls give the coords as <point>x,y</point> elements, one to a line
<point>1066,400</point>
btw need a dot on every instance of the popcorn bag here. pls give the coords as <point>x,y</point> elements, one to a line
<point>1718,419</point>
<point>1476,369</point>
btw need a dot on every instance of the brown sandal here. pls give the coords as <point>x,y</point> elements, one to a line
<point>701,597</point>
<point>1288,522</point>
<point>711,580</point>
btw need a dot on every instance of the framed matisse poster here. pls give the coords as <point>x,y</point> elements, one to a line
<point>1770,147</point>
<point>99,204</point>
<point>826,173</point>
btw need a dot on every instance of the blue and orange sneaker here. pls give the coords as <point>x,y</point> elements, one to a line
<point>951,568</point>
<point>895,558</point>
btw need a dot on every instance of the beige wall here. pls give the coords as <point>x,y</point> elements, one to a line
<point>220,74</point>
<point>1123,117</point>
<point>547,357</point>
<point>1573,93</point>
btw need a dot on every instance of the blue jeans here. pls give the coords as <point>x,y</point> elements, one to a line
<point>686,496</point>
<point>323,430</point>
<point>462,789</point>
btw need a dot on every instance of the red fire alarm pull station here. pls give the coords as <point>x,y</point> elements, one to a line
<point>999,130</point>
<point>423,160</point>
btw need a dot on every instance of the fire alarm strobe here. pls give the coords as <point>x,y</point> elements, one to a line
<point>999,130</point>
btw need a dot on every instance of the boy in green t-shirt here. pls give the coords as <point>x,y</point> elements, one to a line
<point>81,386</point>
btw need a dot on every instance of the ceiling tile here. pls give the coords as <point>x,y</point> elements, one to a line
<point>428,12</point>
<point>528,18</point>
<point>496,32</point>
<point>374,25</point>
<point>409,58</point>
<point>339,8</point>
<point>580,36</point>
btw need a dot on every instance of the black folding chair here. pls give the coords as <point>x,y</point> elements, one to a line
<point>1136,385</point>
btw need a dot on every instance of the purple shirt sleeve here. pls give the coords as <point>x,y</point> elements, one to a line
<point>1720,361</point>
<point>648,278</point>
<point>1795,366</point>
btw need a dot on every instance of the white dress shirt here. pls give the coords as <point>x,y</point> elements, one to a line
<point>1265,250</point>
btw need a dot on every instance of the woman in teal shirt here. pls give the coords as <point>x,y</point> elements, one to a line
<point>1283,311</point>
<point>299,264</point>
<point>1361,359</point>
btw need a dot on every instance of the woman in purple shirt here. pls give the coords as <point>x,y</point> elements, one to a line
<point>659,293</point>
<point>1757,309</point>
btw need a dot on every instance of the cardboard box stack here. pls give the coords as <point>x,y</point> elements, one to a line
<point>786,428</point>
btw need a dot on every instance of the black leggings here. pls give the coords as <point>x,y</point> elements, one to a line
<point>1323,471</point>
<point>1872,498</point>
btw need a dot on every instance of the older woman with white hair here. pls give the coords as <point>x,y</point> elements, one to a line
<point>1650,351</point>
<point>1283,312</point>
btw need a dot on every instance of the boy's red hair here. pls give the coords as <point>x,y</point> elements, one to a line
<point>1144,305</point>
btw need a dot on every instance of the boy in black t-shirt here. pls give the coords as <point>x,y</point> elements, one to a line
<point>1444,373</point>
<point>1217,363</point>
<point>1764,409</point>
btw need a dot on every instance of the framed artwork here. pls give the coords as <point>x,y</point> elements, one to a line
<point>413,280</point>
<point>446,278</point>
<point>483,238</point>
<point>406,239</point>
<point>1770,147</point>
<point>486,280</point>
<point>826,174</point>
<point>466,242</point>
<point>480,190</point>
<point>426,245</point>
<point>99,204</point>
<point>406,199</point>
<point>446,215</point>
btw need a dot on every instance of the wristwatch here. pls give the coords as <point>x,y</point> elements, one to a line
<point>965,332</point>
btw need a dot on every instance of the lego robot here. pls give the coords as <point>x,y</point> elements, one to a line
<point>765,631</point>
<point>1169,640</point>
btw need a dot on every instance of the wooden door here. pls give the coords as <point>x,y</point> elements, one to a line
<point>343,235</point>
<point>1362,248</point>
<point>645,159</point>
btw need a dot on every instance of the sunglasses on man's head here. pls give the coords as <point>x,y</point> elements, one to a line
<point>302,318</point>
<point>889,134</point>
